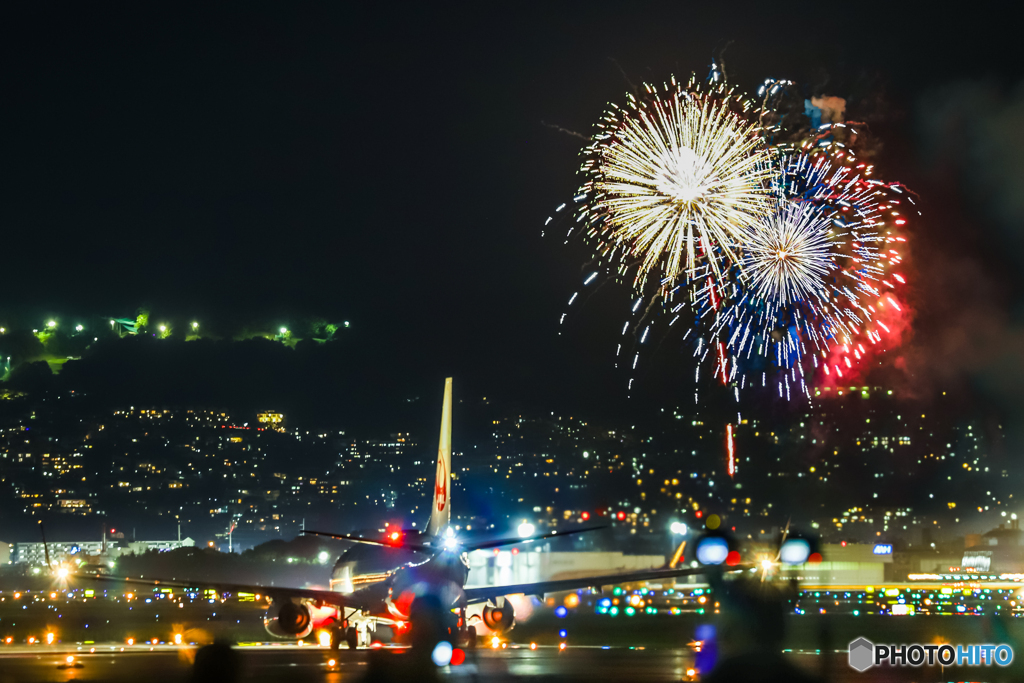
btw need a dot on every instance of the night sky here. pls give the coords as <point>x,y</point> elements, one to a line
<point>391,167</point>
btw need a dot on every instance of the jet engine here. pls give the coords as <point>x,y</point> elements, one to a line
<point>499,617</point>
<point>289,619</point>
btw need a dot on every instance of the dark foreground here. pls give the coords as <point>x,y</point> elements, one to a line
<point>289,663</point>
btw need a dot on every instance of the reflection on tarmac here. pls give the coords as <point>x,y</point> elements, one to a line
<point>290,663</point>
<point>277,662</point>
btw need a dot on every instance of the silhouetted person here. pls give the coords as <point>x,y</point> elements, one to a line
<point>217,663</point>
<point>751,627</point>
<point>426,630</point>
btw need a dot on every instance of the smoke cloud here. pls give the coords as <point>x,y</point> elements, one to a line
<point>968,252</point>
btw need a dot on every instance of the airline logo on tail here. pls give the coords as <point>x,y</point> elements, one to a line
<point>440,511</point>
<point>441,485</point>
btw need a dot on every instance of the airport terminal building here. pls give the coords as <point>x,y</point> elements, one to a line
<point>35,553</point>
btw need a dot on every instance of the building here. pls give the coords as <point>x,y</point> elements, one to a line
<point>6,550</point>
<point>1000,551</point>
<point>139,547</point>
<point>271,419</point>
<point>845,564</point>
<point>35,553</point>
<point>505,567</point>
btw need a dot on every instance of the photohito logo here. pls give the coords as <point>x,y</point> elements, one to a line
<point>864,654</point>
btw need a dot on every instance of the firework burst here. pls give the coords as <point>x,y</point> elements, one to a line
<point>672,179</point>
<point>816,282</point>
<point>779,256</point>
<point>786,257</point>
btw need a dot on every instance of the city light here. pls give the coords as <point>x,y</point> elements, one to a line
<point>51,324</point>
<point>678,528</point>
<point>324,556</point>
<point>526,529</point>
<point>79,328</point>
<point>195,326</point>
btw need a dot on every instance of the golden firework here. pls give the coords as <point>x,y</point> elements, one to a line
<point>673,179</point>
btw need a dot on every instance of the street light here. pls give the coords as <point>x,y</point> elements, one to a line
<point>163,328</point>
<point>195,326</point>
<point>526,529</point>
<point>678,528</point>
<point>51,324</point>
<point>78,328</point>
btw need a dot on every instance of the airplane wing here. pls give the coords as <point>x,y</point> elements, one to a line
<point>420,548</point>
<point>497,543</point>
<point>273,592</point>
<point>484,593</point>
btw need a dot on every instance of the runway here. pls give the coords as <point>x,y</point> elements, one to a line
<point>277,662</point>
<point>290,663</point>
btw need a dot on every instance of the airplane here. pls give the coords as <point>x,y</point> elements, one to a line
<point>374,583</point>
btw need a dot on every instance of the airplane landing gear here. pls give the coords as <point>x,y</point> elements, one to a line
<point>337,635</point>
<point>471,638</point>
<point>352,637</point>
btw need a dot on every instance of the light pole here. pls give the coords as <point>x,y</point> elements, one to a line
<point>231,529</point>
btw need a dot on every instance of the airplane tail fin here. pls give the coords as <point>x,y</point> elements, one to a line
<point>440,509</point>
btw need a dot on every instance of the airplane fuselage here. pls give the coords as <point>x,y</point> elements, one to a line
<point>389,579</point>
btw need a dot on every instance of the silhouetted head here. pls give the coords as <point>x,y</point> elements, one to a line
<point>217,663</point>
<point>753,615</point>
<point>426,620</point>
